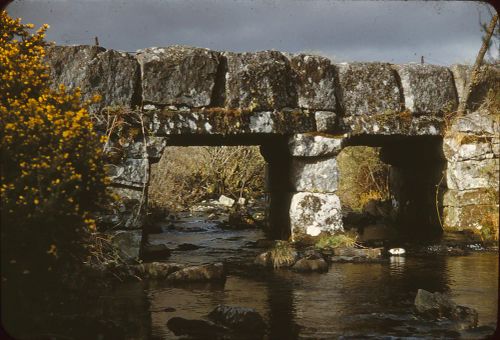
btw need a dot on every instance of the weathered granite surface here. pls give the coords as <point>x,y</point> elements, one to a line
<point>472,151</point>
<point>126,211</point>
<point>316,82</point>
<point>326,121</point>
<point>427,89</point>
<point>219,121</point>
<point>113,75</point>
<point>315,145</point>
<point>131,172</point>
<point>259,81</point>
<point>313,213</point>
<point>315,174</point>
<point>369,88</point>
<point>178,75</point>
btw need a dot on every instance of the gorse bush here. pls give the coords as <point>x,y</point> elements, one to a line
<point>52,177</point>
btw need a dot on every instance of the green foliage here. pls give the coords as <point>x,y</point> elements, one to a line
<point>337,241</point>
<point>52,176</point>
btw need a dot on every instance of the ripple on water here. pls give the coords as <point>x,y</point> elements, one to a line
<point>349,301</point>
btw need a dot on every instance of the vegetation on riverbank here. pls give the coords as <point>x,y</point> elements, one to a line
<point>363,177</point>
<point>187,175</point>
<point>52,178</point>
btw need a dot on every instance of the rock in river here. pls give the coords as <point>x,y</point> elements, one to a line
<point>152,252</point>
<point>310,265</point>
<point>156,270</point>
<point>198,329</point>
<point>437,305</point>
<point>240,319</point>
<point>207,272</point>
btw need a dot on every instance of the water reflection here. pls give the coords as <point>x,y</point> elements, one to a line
<point>350,300</point>
<point>397,265</point>
<point>282,309</point>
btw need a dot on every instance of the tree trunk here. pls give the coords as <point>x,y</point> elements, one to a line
<point>475,70</point>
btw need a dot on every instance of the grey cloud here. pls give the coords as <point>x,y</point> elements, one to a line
<point>445,32</point>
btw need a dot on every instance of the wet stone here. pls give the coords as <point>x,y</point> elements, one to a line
<point>156,270</point>
<point>437,305</point>
<point>198,329</point>
<point>263,259</point>
<point>372,253</point>
<point>128,244</point>
<point>207,272</point>
<point>310,265</point>
<point>239,319</point>
<point>151,252</point>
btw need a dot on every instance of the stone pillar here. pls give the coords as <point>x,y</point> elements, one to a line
<point>315,206</point>
<point>472,176</point>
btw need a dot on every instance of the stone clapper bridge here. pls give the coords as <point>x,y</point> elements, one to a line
<point>302,110</point>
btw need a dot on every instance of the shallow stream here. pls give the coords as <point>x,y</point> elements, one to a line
<point>351,300</point>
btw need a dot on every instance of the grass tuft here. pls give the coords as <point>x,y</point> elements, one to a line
<point>337,241</point>
<point>282,255</point>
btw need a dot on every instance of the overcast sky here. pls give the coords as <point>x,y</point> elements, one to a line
<point>444,32</point>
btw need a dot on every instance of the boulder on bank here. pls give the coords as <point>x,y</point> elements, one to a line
<point>437,305</point>
<point>127,243</point>
<point>226,201</point>
<point>239,319</point>
<point>206,272</point>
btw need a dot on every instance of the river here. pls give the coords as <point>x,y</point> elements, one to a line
<point>351,300</point>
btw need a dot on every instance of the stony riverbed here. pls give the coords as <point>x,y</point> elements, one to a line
<point>350,300</point>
